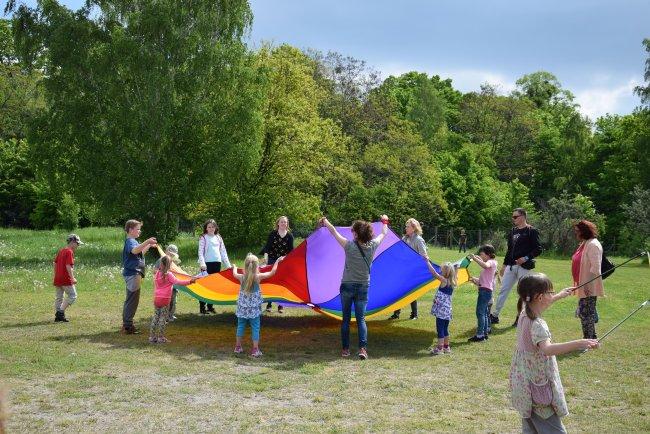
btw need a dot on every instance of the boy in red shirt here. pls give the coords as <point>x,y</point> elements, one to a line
<point>64,280</point>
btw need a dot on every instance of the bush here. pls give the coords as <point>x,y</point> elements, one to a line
<point>557,219</point>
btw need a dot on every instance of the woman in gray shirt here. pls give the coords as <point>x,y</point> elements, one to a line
<point>413,237</point>
<point>356,278</point>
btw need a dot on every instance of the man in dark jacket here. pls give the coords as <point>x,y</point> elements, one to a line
<point>523,246</point>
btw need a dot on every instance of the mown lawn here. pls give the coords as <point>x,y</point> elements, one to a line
<point>85,376</point>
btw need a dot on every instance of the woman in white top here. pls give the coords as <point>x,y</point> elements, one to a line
<point>212,254</point>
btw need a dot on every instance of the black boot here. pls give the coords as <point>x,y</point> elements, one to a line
<point>60,317</point>
<point>202,308</point>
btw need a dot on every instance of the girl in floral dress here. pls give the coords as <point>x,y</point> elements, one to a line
<point>250,301</point>
<point>535,385</point>
<point>441,308</point>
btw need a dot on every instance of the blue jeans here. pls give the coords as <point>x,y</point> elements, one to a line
<point>357,293</point>
<point>482,311</point>
<point>255,327</point>
<point>442,327</point>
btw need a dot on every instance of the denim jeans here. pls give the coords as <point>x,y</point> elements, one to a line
<point>255,327</point>
<point>482,312</point>
<point>357,293</point>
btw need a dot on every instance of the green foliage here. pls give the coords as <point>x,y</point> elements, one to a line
<point>18,185</point>
<point>644,91</point>
<point>635,234</point>
<point>557,219</point>
<point>159,98</point>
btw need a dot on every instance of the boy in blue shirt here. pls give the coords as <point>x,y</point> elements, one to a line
<point>133,272</point>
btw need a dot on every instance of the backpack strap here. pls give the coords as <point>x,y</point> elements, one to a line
<point>365,259</point>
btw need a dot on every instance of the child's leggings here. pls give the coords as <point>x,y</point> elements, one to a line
<point>442,327</point>
<point>159,321</point>
<point>255,327</point>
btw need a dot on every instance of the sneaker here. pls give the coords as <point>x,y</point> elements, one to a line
<point>477,339</point>
<point>363,354</point>
<point>238,349</point>
<point>494,319</point>
<point>211,310</point>
<point>436,351</point>
<point>394,316</point>
<point>447,350</point>
<point>129,330</point>
<point>256,353</point>
<point>413,317</point>
<point>153,339</point>
<point>203,312</point>
<point>345,352</point>
<point>163,340</point>
<point>172,318</point>
<point>267,310</point>
<point>280,309</point>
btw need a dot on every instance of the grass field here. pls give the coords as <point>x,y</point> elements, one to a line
<point>85,376</point>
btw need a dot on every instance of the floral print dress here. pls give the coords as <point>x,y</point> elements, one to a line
<point>531,370</point>
<point>249,304</point>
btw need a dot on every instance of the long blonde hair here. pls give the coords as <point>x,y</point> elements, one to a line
<point>251,264</point>
<point>277,223</point>
<point>448,271</point>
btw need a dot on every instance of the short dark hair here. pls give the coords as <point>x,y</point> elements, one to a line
<point>587,229</point>
<point>522,212</point>
<point>489,250</point>
<point>363,230</point>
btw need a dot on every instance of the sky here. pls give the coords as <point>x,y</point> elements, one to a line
<point>594,47</point>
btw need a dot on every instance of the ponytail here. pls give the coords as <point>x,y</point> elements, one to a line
<point>528,288</point>
<point>165,265</point>
<point>250,272</point>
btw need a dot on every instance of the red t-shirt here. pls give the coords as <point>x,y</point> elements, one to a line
<point>575,264</point>
<point>63,258</point>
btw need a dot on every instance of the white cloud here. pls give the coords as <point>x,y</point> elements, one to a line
<point>600,100</point>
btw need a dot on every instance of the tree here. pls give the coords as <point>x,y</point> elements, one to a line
<point>635,234</point>
<point>418,101</point>
<point>558,217</point>
<point>543,89</point>
<point>147,101</point>
<point>644,91</point>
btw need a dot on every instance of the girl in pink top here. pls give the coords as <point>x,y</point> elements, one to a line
<point>485,283</point>
<point>164,280</point>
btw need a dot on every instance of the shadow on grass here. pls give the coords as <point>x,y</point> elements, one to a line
<point>28,324</point>
<point>289,342</point>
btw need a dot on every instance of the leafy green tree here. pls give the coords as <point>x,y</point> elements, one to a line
<point>19,188</point>
<point>543,89</point>
<point>635,234</point>
<point>419,102</point>
<point>147,101</point>
<point>506,125</point>
<point>561,213</point>
<point>644,91</point>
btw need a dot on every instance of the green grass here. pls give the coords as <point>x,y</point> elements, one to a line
<point>85,376</point>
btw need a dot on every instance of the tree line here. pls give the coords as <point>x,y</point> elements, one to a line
<point>160,111</point>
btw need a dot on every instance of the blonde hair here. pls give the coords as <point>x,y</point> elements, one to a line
<point>277,223</point>
<point>448,271</point>
<point>251,263</point>
<point>417,228</point>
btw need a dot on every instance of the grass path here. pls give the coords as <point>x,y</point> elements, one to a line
<point>84,376</point>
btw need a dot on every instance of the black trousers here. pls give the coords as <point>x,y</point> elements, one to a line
<point>211,268</point>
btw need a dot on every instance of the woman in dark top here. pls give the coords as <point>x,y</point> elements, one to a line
<point>278,244</point>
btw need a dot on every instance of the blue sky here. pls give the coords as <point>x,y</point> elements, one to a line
<point>592,46</point>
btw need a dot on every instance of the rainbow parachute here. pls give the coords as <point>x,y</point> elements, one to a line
<point>311,275</point>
